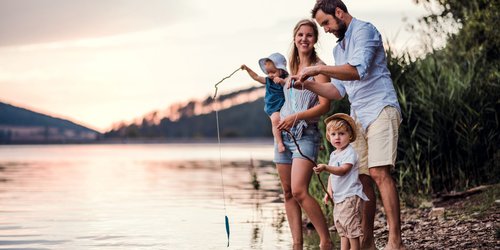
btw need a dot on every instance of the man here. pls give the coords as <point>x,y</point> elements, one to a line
<point>361,71</point>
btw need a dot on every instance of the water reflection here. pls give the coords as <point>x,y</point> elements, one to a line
<point>139,197</point>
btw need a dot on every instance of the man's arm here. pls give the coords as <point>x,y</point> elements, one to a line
<point>316,111</point>
<point>344,72</point>
<point>367,40</point>
<point>325,89</point>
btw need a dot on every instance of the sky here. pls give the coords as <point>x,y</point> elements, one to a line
<point>99,62</point>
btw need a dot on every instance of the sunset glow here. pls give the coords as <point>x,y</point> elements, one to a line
<point>99,62</point>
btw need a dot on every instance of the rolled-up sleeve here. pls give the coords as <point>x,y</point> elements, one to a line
<point>340,87</point>
<point>367,41</point>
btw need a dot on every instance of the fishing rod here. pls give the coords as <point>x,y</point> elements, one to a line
<point>216,85</point>
<point>226,219</point>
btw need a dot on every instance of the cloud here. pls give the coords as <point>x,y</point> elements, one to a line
<point>32,21</point>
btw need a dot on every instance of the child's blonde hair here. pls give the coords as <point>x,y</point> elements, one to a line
<point>338,124</point>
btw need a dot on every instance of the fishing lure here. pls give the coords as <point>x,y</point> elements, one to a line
<point>226,219</point>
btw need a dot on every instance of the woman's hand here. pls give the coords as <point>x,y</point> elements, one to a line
<point>320,168</point>
<point>296,84</point>
<point>243,67</point>
<point>287,123</point>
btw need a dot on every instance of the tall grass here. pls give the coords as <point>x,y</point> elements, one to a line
<point>449,135</point>
<point>450,102</point>
<point>450,130</point>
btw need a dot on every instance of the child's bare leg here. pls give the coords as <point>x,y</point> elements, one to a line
<point>344,243</point>
<point>354,242</point>
<point>275,120</point>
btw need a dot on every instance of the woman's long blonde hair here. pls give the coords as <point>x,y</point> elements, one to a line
<point>294,53</point>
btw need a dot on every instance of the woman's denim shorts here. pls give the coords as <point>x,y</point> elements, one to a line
<point>308,143</point>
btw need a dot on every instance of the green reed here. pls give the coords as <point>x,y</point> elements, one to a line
<point>450,103</point>
<point>449,134</point>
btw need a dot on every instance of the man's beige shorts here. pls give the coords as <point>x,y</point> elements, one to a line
<point>347,217</point>
<point>378,145</point>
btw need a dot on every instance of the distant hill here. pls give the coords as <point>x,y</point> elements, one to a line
<point>241,114</point>
<point>20,125</point>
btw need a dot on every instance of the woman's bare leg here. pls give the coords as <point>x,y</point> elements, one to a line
<point>301,176</point>
<point>292,207</point>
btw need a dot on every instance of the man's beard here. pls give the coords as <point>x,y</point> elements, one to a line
<point>342,28</point>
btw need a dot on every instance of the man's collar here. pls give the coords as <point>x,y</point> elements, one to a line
<point>347,34</point>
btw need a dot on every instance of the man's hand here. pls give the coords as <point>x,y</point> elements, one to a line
<point>308,72</point>
<point>244,67</point>
<point>294,83</point>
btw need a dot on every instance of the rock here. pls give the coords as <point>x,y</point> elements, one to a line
<point>426,204</point>
<point>497,202</point>
<point>405,227</point>
<point>437,212</point>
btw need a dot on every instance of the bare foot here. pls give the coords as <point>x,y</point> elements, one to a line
<point>281,147</point>
<point>391,247</point>
<point>298,246</point>
<point>327,246</point>
<point>369,247</point>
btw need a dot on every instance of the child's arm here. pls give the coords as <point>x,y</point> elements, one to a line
<point>279,80</point>
<point>329,189</point>
<point>254,75</point>
<point>340,171</point>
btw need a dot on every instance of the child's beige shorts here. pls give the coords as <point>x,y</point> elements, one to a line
<point>379,144</point>
<point>347,217</point>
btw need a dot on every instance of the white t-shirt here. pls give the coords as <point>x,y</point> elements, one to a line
<point>349,184</point>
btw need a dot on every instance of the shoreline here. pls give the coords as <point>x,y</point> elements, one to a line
<point>246,141</point>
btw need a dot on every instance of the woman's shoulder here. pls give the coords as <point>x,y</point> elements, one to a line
<point>320,77</point>
<point>319,62</point>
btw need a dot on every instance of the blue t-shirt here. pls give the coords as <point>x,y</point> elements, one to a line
<point>362,48</point>
<point>275,98</point>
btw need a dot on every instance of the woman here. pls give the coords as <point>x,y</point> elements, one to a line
<point>300,115</point>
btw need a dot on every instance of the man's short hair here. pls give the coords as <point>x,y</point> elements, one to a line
<point>328,6</point>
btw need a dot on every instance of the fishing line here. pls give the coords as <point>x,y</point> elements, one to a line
<point>226,219</point>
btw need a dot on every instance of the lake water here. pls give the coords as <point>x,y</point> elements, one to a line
<point>140,196</point>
